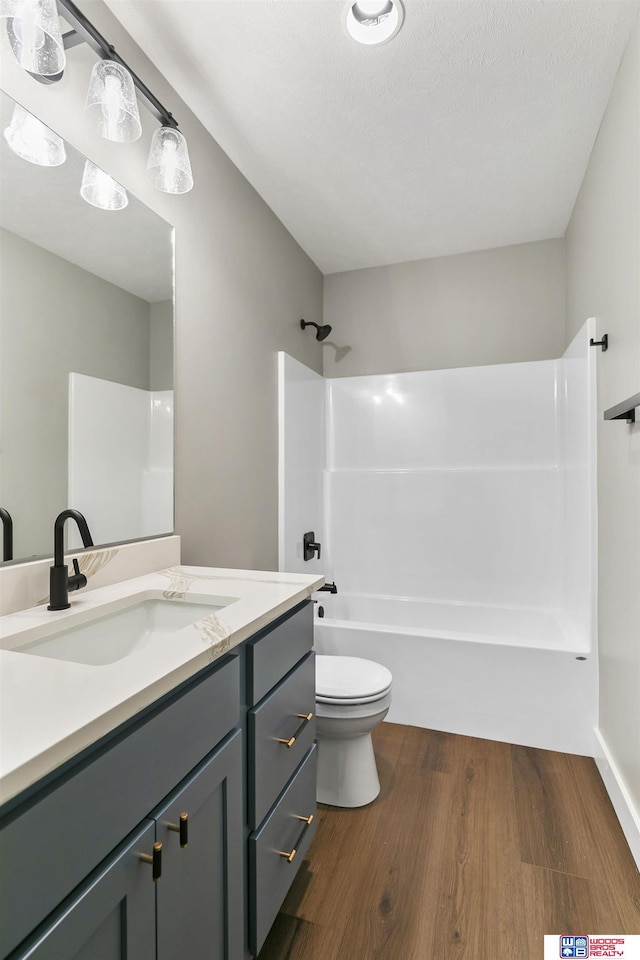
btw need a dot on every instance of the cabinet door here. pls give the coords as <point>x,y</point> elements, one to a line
<point>201,894</point>
<point>113,918</point>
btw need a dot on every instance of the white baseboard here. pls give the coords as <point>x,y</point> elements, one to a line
<point>627,813</point>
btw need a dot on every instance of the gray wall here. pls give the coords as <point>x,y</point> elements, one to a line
<point>161,345</point>
<point>55,318</point>
<point>493,306</point>
<point>603,280</point>
<point>242,284</point>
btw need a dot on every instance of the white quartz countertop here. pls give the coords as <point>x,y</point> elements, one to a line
<point>51,709</point>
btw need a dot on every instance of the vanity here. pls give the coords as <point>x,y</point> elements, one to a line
<point>157,757</point>
<point>163,808</point>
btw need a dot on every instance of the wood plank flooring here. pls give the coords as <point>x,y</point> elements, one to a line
<point>473,851</point>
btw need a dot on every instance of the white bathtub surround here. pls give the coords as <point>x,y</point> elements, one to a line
<point>494,672</point>
<point>51,709</point>
<point>460,527</point>
<point>23,585</point>
<point>301,461</point>
<point>120,458</point>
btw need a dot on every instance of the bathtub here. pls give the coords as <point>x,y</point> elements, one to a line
<point>522,676</point>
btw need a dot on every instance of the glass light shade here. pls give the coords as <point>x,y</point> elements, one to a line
<point>374,21</point>
<point>35,36</point>
<point>112,99</point>
<point>101,190</point>
<point>168,167</point>
<point>30,139</point>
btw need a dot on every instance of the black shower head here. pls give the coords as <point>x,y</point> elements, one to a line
<point>322,332</point>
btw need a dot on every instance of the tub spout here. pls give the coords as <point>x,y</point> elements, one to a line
<point>328,588</point>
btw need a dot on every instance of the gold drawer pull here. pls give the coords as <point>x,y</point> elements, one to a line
<point>155,860</point>
<point>308,820</point>
<point>290,856</point>
<point>182,828</point>
<point>305,717</point>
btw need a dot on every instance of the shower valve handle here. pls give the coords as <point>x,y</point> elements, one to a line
<point>310,547</point>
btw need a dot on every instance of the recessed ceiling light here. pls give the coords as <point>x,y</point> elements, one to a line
<point>374,21</point>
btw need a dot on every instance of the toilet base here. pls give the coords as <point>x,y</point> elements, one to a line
<point>347,774</point>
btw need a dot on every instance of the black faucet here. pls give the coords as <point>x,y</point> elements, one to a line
<point>328,588</point>
<point>59,582</point>
<point>7,534</point>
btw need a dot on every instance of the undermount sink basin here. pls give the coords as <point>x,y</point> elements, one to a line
<point>114,636</point>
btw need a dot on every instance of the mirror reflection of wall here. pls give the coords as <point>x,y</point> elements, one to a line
<point>83,291</point>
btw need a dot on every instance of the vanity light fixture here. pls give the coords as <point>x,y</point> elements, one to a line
<point>101,190</point>
<point>30,139</point>
<point>168,167</point>
<point>35,36</point>
<point>112,92</point>
<point>112,99</point>
<point>374,21</point>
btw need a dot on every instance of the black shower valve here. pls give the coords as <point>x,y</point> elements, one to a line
<point>311,549</point>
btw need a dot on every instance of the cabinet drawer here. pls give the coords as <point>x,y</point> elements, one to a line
<point>273,753</point>
<point>277,650</point>
<point>271,874</point>
<point>50,845</point>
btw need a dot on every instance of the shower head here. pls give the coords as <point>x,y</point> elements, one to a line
<point>322,332</point>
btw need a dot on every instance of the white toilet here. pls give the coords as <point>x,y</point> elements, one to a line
<point>352,697</point>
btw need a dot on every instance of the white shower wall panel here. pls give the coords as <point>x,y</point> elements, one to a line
<point>493,416</point>
<point>157,477</point>
<point>471,536</point>
<point>301,424</point>
<point>108,452</point>
<point>578,420</point>
<point>120,459</point>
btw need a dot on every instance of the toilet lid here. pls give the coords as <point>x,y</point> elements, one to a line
<point>350,678</point>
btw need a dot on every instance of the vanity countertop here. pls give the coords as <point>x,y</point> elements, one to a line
<point>52,709</point>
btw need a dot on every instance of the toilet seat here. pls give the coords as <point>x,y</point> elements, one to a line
<point>350,680</point>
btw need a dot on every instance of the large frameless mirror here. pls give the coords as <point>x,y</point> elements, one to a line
<point>86,356</point>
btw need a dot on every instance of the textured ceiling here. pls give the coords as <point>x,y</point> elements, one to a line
<point>471,129</point>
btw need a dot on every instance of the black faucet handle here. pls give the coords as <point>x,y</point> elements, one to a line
<point>311,548</point>
<point>78,580</point>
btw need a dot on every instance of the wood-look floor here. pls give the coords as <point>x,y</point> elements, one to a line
<point>473,851</point>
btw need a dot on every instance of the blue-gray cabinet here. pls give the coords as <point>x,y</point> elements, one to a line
<point>215,783</point>
<point>121,913</point>
<point>199,897</point>
<point>282,764</point>
<point>112,916</point>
